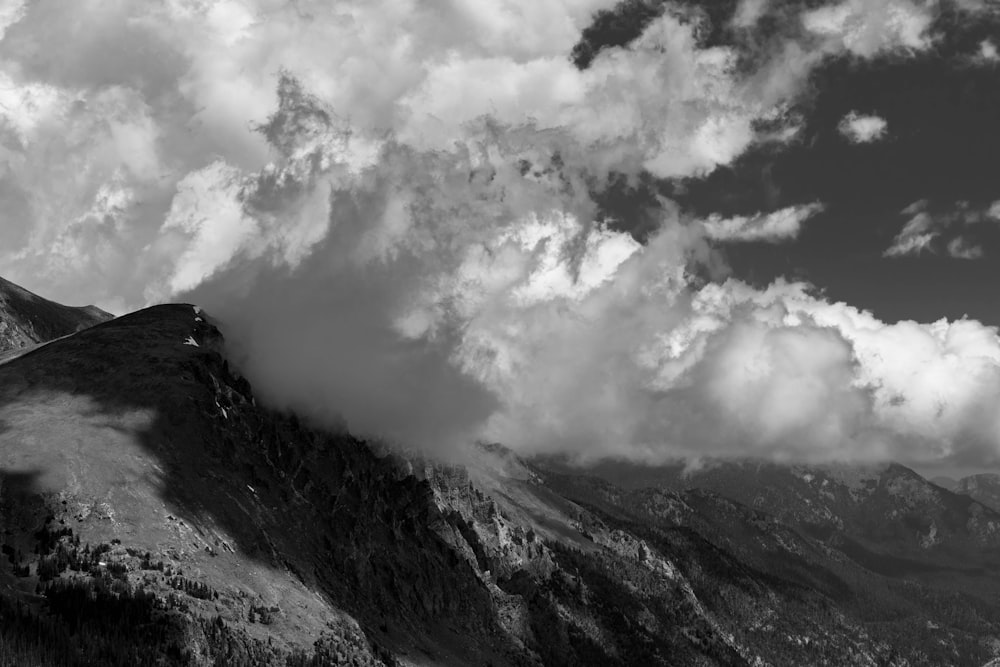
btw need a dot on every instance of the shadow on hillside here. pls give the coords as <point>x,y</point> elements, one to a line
<point>252,483</point>
<point>18,489</point>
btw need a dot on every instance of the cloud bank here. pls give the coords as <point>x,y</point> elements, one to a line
<point>389,206</point>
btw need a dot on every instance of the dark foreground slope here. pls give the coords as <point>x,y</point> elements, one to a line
<point>27,319</point>
<point>152,513</point>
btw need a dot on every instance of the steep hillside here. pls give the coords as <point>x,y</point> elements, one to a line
<point>27,319</point>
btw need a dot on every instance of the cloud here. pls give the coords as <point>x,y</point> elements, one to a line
<point>922,230</point>
<point>389,207</point>
<point>862,129</point>
<point>988,52</point>
<point>772,227</point>
<point>189,80</point>
<point>866,28</point>
<point>748,12</point>
<point>960,248</point>
<point>916,236</point>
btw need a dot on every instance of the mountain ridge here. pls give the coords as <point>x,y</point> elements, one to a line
<point>140,478</point>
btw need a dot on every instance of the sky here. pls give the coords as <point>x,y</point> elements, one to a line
<point>638,230</point>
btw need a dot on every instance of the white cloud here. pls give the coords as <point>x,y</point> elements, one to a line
<point>771,227</point>
<point>866,28</point>
<point>988,51</point>
<point>188,81</point>
<point>961,248</point>
<point>916,236</point>
<point>862,129</point>
<point>922,230</point>
<point>748,12</point>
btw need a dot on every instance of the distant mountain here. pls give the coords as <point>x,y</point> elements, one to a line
<point>870,509</point>
<point>945,482</point>
<point>153,513</point>
<point>27,319</point>
<point>984,487</point>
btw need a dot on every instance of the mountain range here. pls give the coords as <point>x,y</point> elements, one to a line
<point>154,512</point>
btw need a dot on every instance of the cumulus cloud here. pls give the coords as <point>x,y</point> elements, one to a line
<point>862,129</point>
<point>866,28</point>
<point>772,227</point>
<point>389,208</point>
<point>188,80</point>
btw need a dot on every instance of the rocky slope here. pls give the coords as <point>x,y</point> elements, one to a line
<point>27,319</point>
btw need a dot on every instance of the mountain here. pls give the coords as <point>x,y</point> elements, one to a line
<point>136,465</point>
<point>27,319</point>
<point>152,512</point>
<point>984,487</point>
<point>871,510</point>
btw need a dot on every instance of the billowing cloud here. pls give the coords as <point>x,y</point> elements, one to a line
<point>389,206</point>
<point>862,129</point>
<point>868,27</point>
<point>176,102</point>
<point>772,227</point>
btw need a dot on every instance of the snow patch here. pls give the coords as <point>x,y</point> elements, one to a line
<point>191,341</point>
